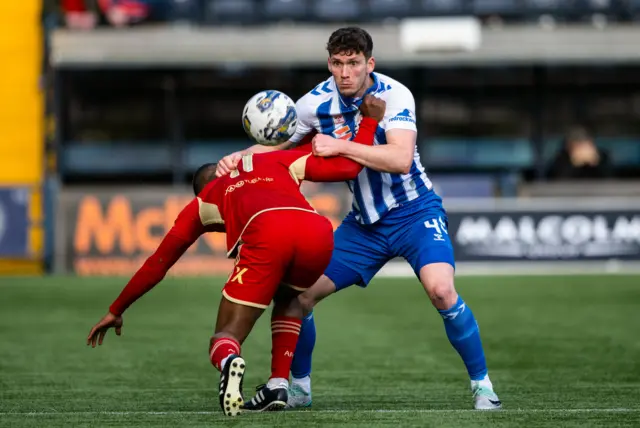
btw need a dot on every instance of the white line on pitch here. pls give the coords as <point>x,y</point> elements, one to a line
<point>177,412</point>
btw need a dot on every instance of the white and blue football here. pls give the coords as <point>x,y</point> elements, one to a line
<point>270,118</point>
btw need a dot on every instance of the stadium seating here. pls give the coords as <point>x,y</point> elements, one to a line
<point>380,9</point>
<point>231,12</point>
<point>222,12</point>
<point>443,7</point>
<point>503,8</point>
<point>286,9</point>
<point>185,10</point>
<point>338,10</point>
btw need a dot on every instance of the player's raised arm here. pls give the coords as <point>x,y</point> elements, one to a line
<point>185,231</point>
<point>394,157</point>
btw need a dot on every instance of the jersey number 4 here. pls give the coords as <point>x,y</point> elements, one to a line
<point>439,227</point>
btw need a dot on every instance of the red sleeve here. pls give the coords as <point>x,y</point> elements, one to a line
<point>339,168</point>
<point>184,232</point>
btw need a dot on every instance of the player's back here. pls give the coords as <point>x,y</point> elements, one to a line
<point>261,183</point>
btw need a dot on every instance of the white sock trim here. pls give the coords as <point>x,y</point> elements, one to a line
<point>303,382</point>
<point>277,382</point>
<point>485,382</point>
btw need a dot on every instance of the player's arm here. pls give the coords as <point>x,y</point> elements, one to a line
<point>339,168</point>
<point>185,231</point>
<point>394,157</point>
<point>303,128</point>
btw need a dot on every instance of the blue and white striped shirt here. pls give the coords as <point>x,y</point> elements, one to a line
<point>374,193</point>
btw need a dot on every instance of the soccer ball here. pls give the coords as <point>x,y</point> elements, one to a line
<point>270,118</point>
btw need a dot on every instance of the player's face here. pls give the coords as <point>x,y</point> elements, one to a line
<point>351,72</point>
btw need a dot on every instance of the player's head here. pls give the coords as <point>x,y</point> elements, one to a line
<point>350,59</point>
<point>203,176</point>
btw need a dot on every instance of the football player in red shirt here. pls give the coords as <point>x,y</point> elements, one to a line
<point>281,246</point>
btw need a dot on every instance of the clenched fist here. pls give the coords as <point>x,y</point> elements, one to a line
<point>373,107</point>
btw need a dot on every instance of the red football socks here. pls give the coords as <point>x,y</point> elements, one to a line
<point>284,338</point>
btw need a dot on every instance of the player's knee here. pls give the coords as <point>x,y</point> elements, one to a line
<point>321,289</point>
<point>437,280</point>
<point>307,302</point>
<point>442,294</point>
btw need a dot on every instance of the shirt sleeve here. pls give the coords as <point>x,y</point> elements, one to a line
<point>306,118</point>
<point>314,168</point>
<point>183,234</point>
<point>305,143</point>
<point>401,110</point>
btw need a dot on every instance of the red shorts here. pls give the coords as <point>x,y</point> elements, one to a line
<point>289,247</point>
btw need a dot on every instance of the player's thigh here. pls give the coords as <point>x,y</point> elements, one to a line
<point>426,245</point>
<point>256,275</point>
<point>359,253</point>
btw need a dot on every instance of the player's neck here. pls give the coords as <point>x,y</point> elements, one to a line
<point>367,84</point>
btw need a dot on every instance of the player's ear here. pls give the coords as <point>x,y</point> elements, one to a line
<point>371,65</point>
<point>329,64</point>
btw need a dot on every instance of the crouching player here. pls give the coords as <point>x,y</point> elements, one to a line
<point>276,237</point>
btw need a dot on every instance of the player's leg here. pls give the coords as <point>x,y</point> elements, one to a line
<point>462,330</point>
<point>427,247</point>
<point>357,255</point>
<point>235,322</point>
<point>300,390</point>
<point>286,319</point>
<point>259,268</point>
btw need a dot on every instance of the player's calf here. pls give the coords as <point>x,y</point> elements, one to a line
<point>284,334</point>
<point>234,323</point>
<point>274,395</point>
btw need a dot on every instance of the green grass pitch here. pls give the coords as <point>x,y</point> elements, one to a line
<point>562,351</point>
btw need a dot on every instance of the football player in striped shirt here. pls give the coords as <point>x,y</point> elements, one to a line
<point>395,212</point>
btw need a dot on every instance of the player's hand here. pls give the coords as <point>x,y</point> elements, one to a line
<point>228,164</point>
<point>99,330</point>
<point>373,107</point>
<point>326,146</point>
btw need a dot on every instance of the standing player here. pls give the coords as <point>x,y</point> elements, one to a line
<point>276,237</point>
<point>395,211</point>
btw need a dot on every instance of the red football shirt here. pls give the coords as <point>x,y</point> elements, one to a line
<point>262,182</point>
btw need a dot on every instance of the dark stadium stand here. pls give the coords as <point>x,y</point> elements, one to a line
<point>233,12</point>
<point>251,11</point>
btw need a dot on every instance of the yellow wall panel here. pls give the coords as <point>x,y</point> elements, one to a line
<point>21,117</point>
<point>21,108</point>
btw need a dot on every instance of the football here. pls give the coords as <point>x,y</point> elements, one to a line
<point>270,118</point>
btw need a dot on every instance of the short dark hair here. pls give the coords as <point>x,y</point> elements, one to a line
<point>203,176</point>
<point>350,40</point>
